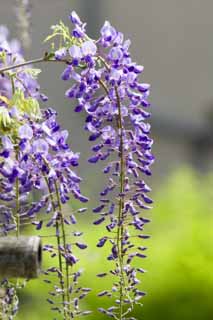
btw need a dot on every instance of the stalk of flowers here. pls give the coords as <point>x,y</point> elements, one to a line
<point>106,85</point>
<point>54,160</point>
<point>44,164</point>
<point>35,156</point>
<point>13,198</point>
<point>18,93</point>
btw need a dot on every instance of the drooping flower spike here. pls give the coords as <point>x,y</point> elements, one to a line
<point>35,157</point>
<point>106,84</point>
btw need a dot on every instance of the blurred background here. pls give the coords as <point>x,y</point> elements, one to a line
<point>173,40</point>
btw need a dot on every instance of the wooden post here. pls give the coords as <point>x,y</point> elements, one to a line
<point>20,257</point>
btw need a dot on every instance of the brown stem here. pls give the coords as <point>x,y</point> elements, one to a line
<point>64,244</point>
<point>120,229</point>
<point>34,61</point>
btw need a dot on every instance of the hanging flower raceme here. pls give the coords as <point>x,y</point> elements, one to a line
<point>18,91</point>
<point>50,162</point>
<point>36,158</point>
<point>106,84</point>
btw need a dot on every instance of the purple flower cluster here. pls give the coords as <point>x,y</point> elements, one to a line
<point>10,54</point>
<point>9,300</point>
<point>38,153</point>
<point>106,85</point>
<point>39,159</point>
<point>35,158</point>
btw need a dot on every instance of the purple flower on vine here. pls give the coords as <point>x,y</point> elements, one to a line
<point>36,157</point>
<point>23,79</point>
<point>39,158</point>
<point>108,88</point>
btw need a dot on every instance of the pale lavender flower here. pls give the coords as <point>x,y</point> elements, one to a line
<point>25,132</point>
<point>23,80</point>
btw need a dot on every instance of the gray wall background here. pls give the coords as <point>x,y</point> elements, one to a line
<point>173,39</point>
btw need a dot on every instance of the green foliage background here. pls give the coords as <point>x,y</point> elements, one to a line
<point>179,280</point>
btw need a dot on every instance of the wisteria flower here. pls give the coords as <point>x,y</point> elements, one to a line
<point>108,88</point>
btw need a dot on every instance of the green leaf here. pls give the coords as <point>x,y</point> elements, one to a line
<point>6,121</point>
<point>32,107</point>
<point>26,105</point>
<point>3,56</point>
<point>62,31</point>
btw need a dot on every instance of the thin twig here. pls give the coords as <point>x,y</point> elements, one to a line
<point>30,62</point>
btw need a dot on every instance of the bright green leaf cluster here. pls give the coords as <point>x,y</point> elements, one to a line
<point>65,39</point>
<point>6,122</point>
<point>26,105</point>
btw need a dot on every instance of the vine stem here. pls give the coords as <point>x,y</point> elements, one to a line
<point>25,63</point>
<point>58,244</point>
<point>64,244</point>
<point>17,207</point>
<point>17,216</point>
<point>45,58</point>
<point>120,230</point>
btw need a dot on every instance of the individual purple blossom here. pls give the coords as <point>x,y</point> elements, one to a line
<point>75,18</point>
<point>61,54</point>
<point>75,52</point>
<point>88,48</point>
<point>79,27</point>
<point>41,147</point>
<point>7,143</point>
<point>108,34</point>
<point>25,132</point>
